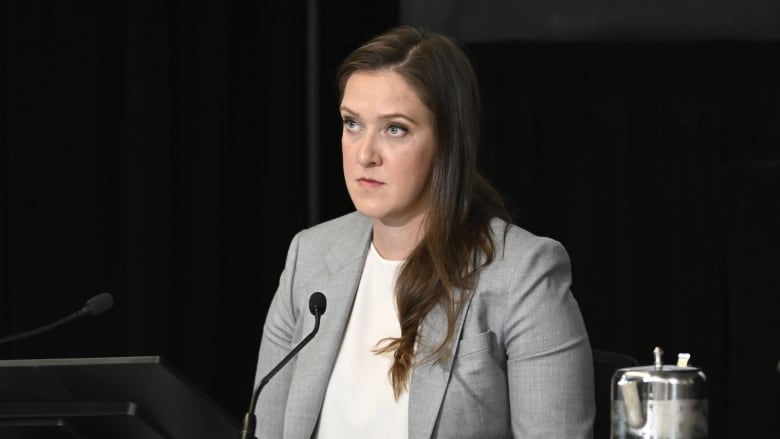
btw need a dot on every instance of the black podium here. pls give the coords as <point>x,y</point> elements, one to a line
<point>117,398</point>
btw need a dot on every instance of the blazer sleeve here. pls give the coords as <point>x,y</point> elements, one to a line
<point>280,332</point>
<point>549,363</point>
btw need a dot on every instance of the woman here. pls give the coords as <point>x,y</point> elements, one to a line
<point>443,319</point>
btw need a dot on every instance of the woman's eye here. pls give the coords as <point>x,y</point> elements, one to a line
<point>350,124</point>
<point>396,131</point>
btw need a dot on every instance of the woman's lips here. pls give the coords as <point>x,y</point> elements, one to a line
<point>369,183</point>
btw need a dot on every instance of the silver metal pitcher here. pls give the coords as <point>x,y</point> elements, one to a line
<point>659,401</point>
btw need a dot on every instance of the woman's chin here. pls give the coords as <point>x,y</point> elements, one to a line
<point>373,213</point>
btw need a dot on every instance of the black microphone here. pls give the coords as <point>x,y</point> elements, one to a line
<point>96,305</point>
<point>317,304</point>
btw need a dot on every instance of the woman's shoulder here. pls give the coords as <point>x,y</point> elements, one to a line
<point>515,242</point>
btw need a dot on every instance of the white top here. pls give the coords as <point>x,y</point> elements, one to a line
<point>359,401</point>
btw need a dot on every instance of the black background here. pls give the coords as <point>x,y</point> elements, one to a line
<point>158,150</point>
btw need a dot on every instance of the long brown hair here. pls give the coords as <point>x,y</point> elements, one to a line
<point>457,225</point>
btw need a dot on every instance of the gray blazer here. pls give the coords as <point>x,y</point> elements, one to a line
<point>520,367</point>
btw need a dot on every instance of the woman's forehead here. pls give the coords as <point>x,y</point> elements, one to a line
<point>381,93</point>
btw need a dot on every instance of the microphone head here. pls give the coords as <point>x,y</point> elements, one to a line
<point>317,303</point>
<point>100,303</point>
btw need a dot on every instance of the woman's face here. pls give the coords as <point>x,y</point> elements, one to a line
<point>388,146</point>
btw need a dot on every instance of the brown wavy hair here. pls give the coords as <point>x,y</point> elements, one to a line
<point>457,240</point>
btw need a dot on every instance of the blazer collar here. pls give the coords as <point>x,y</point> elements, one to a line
<point>430,377</point>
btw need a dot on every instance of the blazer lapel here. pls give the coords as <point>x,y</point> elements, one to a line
<point>430,378</point>
<point>315,362</point>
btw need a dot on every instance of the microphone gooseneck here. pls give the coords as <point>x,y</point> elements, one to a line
<point>317,305</point>
<point>95,305</point>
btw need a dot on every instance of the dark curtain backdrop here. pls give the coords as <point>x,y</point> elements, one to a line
<point>157,150</point>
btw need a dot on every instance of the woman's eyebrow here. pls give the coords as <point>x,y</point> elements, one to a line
<point>397,115</point>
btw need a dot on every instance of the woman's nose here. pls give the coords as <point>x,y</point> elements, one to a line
<point>367,154</point>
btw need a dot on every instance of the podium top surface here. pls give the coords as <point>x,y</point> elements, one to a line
<point>168,400</point>
<point>84,361</point>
